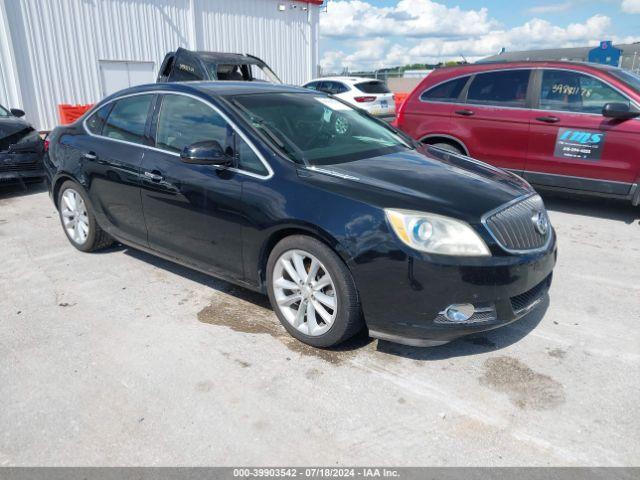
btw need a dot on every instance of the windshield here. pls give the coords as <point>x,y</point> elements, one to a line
<point>4,112</point>
<point>630,78</point>
<point>317,130</point>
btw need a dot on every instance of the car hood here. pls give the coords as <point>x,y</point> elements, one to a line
<point>431,180</point>
<point>12,129</point>
<point>12,125</point>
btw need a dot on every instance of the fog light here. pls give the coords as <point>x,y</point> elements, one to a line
<point>459,312</point>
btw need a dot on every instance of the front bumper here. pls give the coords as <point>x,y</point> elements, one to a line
<point>406,305</point>
<point>16,166</point>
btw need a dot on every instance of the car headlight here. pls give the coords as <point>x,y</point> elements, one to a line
<point>431,233</point>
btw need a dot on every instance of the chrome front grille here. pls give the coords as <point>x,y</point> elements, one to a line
<point>518,227</point>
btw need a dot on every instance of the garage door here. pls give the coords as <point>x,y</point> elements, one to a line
<point>115,75</point>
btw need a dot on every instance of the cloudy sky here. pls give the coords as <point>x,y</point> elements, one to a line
<point>363,34</point>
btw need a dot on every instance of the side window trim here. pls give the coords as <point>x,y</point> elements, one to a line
<point>462,98</point>
<point>533,96</point>
<point>158,93</point>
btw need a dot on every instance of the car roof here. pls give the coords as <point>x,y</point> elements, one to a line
<point>232,58</point>
<point>348,80</point>
<point>217,88</point>
<point>526,64</point>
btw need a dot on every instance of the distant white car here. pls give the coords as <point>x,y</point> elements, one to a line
<point>366,93</point>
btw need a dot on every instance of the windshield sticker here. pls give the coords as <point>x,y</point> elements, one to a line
<point>333,104</point>
<point>579,144</point>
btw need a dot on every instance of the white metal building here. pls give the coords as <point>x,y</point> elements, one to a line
<point>78,51</point>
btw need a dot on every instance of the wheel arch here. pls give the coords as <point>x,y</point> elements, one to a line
<point>57,183</point>
<point>284,231</point>
<point>445,138</point>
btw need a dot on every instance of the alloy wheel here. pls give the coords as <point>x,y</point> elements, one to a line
<point>74,216</point>
<point>305,292</point>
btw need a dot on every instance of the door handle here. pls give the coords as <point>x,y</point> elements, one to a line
<point>154,177</point>
<point>465,113</point>
<point>548,119</point>
<point>90,156</point>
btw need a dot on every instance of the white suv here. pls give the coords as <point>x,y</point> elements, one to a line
<point>366,93</point>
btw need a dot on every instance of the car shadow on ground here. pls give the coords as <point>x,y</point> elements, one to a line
<point>20,188</point>
<point>260,301</point>
<point>606,208</point>
<point>470,345</point>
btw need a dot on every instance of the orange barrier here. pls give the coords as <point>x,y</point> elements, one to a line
<point>70,113</point>
<point>400,98</point>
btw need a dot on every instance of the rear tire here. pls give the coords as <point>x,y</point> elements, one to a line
<point>323,308</point>
<point>448,147</point>
<point>78,220</point>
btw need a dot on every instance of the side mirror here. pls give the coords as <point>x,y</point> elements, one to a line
<point>16,112</point>
<point>206,153</point>
<point>619,111</point>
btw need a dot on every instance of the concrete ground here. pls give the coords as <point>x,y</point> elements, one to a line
<point>119,358</point>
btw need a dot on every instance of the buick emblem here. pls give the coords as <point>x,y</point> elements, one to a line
<point>541,222</point>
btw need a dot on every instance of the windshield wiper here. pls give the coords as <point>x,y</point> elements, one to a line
<point>285,145</point>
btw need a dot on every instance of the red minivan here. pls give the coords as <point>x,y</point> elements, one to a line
<point>561,125</point>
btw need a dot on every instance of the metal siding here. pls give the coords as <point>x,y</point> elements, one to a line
<point>287,40</point>
<point>62,41</point>
<point>10,95</point>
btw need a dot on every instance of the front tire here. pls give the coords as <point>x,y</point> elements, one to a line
<point>78,220</point>
<point>312,292</point>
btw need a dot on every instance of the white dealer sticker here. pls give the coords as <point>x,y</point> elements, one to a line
<point>333,104</point>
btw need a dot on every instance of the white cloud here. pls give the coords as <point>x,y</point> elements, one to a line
<point>631,6</point>
<point>424,31</point>
<point>409,18</point>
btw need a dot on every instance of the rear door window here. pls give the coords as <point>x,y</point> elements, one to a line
<point>128,119</point>
<point>575,92</point>
<point>445,92</point>
<point>332,87</point>
<point>506,88</point>
<point>184,120</point>
<point>324,86</point>
<point>96,121</point>
<point>375,87</point>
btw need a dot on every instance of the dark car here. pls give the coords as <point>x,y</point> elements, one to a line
<point>340,218</point>
<point>185,66</point>
<point>21,148</point>
<point>566,126</point>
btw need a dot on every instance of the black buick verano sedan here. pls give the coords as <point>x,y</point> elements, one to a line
<point>340,219</point>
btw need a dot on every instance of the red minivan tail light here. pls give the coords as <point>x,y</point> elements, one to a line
<point>400,112</point>
<point>364,99</point>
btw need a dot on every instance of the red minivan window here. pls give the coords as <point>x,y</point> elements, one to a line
<point>446,92</point>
